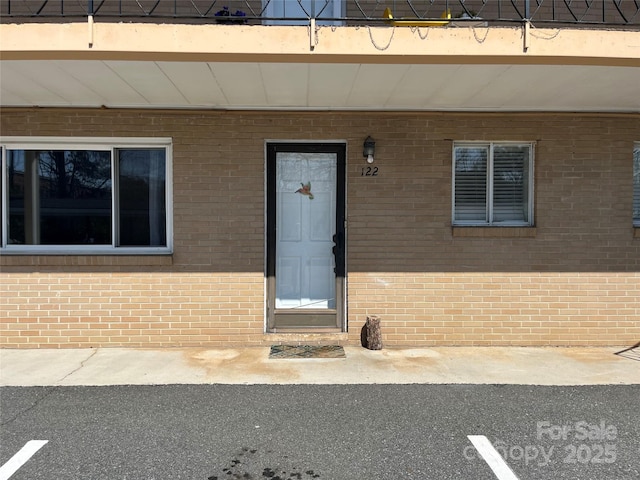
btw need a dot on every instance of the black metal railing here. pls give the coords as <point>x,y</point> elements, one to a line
<point>336,12</point>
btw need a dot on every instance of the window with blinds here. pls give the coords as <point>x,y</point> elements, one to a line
<point>492,184</point>
<point>636,185</point>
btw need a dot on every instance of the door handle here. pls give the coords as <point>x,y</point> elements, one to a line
<point>336,243</point>
<point>338,253</point>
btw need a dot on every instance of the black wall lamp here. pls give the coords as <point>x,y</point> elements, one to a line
<point>369,149</point>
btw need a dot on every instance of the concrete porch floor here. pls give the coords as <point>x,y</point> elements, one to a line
<point>437,365</point>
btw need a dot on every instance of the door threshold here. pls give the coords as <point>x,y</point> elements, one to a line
<point>334,337</point>
<point>305,331</point>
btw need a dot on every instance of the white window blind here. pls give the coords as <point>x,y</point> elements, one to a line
<point>510,182</point>
<point>471,184</point>
<point>492,184</point>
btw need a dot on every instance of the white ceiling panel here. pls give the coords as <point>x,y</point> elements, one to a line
<point>421,83</point>
<point>349,86</point>
<point>596,84</point>
<point>528,85</point>
<point>102,80</point>
<point>33,89</point>
<point>148,79</point>
<point>241,83</point>
<point>507,86</point>
<point>57,80</point>
<point>195,82</point>
<point>374,85</point>
<point>331,84</point>
<point>10,97</point>
<point>285,83</point>
<point>466,85</point>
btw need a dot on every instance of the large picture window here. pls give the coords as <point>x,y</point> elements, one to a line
<point>636,185</point>
<point>64,195</point>
<point>493,184</point>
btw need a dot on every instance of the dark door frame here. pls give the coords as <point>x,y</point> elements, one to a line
<point>339,250</point>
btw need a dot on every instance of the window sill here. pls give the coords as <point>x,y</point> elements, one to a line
<point>636,232</point>
<point>84,260</point>
<point>494,232</point>
<point>80,250</point>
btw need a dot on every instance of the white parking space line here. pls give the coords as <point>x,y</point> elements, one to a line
<point>492,457</point>
<point>20,458</point>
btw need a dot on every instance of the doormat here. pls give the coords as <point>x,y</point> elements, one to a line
<point>306,351</point>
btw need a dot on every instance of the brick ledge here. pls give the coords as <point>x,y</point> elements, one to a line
<point>494,232</point>
<point>85,261</point>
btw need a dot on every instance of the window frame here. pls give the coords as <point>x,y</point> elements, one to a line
<point>636,151</point>
<point>489,206</point>
<point>111,144</point>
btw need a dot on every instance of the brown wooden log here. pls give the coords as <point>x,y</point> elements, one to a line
<point>374,334</point>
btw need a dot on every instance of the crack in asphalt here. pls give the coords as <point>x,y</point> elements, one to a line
<point>48,391</point>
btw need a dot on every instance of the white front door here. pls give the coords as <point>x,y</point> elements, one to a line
<point>305,221</point>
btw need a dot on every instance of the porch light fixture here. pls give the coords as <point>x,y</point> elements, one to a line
<point>369,149</point>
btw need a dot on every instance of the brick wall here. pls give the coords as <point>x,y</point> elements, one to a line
<point>572,280</point>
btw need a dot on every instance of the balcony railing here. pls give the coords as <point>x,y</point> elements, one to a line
<point>609,13</point>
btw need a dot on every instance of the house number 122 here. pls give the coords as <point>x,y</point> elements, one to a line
<point>369,172</point>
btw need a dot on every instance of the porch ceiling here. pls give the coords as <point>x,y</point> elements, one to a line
<point>318,86</point>
<point>267,67</point>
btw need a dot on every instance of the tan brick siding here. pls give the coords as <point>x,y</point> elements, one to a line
<point>131,309</point>
<point>500,308</point>
<point>572,280</point>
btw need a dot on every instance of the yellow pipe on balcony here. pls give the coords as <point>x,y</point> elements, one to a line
<point>417,23</point>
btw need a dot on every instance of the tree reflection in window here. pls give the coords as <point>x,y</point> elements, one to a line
<point>59,197</point>
<point>142,205</point>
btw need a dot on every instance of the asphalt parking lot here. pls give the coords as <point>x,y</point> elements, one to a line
<point>213,414</point>
<point>328,432</point>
